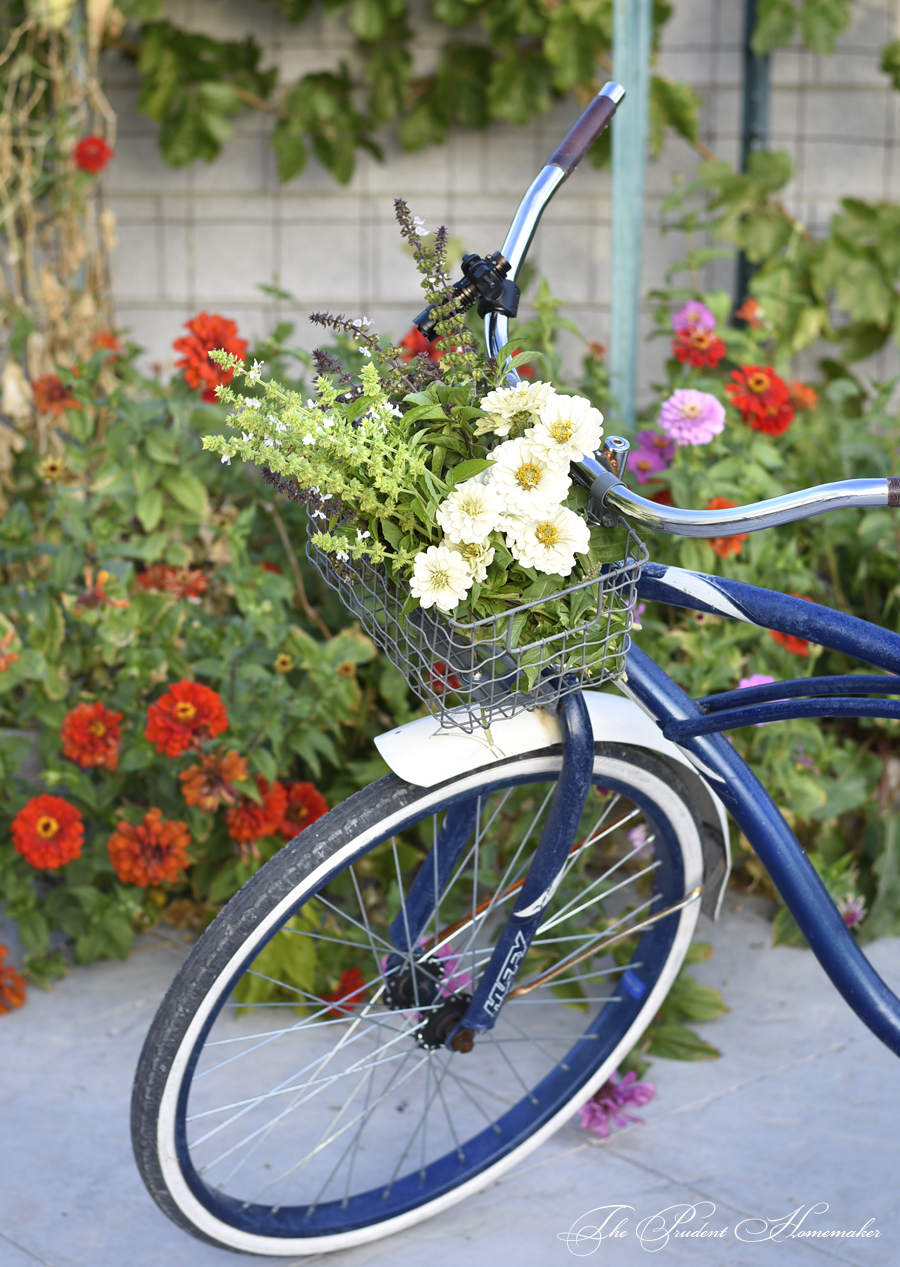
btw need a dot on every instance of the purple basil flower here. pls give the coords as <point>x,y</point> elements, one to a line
<point>609,1103</point>
<point>652,453</point>
<point>692,417</point>
<point>852,909</point>
<point>693,314</point>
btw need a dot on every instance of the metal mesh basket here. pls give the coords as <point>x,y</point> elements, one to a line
<point>473,673</point>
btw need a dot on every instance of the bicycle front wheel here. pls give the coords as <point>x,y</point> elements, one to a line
<point>291,1097</point>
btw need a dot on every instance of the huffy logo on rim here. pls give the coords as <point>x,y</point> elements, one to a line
<point>697,1222</point>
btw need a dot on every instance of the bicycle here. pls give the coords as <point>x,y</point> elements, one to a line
<point>567,859</point>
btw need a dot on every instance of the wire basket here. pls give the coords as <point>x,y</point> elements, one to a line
<point>470,674</point>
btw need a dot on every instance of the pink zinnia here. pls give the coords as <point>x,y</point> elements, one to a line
<point>609,1103</point>
<point>693,314</point>
<point>757,679</point>
<point>692,417</point>
<point>652,453</point>
<point>852,909</point>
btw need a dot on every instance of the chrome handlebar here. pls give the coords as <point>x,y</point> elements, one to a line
<point>606,488</point>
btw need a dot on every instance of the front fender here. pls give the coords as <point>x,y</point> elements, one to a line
<point>424,753</point>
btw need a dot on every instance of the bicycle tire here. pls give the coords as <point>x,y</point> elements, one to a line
<point>178,1068</point>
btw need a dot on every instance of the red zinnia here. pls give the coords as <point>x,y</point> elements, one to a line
<point>724,546</point>
<point>442,679</point>
<point>48,832</point>
<point>701,348</point>
<point>209,331</point>
<point>91,736</point>
<point>212,780</point>
<point>12,985</point>
<point>797,646</point>
<point>150,853</point>
<point>762,398</point>
<point>415,344</point>
<point>184,718</point>
<point>92,154</point>
<point>349,993</point>
<point>250,821</point>
<point>106,341</point>
<point>158,578</point>
<point>51,396</point>
<point>305,803</point>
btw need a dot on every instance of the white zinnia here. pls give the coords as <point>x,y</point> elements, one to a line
<point>568,428</point>
<point>470,513</point>
<point>440,578</point>
<point>479,555</point>
<point>527,483</point>
<point>549,544</point>
<point>512,409</point>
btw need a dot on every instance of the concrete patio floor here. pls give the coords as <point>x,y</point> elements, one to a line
<point>803,1109</point>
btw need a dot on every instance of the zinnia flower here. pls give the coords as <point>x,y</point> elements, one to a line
<point>92,154</point>
<point>568,427</point>
<point>95,594</point>
<point>51,396</point>
<point>441,679</point>
<point>797,646</point>
<point>756,679</point>
<point>479,555</point>
<point>470,513</point>
<point>48,832</point>
<point>761,398</point>
<point>527,482</point>
<point>91,736</point>
<point>13,985</point>
<point>440,578</point>
<point>351,987</point>
<point>251,820</point>
<point>724,546</point>
<point>692,417</point>
<point>185,717</point>
<point>305,803</point>
<point>154,851</point>
<point>549,544</point>
<point>7,658</point>
<point>106,341</point>
<point>693,314</point>
<point>802,396</point>
<point>651,453</point>
<point>158,578</point>
<point>511,409</point>
<point>609,1103</point>
<point>700,348</point>
<point>210,783</point>
<point>852,909</point>
<point>208,332</point>
<point>415,344</point>
<point>750,312</point>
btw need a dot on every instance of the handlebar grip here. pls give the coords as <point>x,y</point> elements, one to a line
<point>572,149</point>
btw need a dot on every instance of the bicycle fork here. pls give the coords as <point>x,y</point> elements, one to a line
<point>546,871</point>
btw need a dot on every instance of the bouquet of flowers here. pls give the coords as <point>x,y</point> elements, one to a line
<point>442,506</point>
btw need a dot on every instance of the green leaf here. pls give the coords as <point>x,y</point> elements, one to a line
<point>776,21</point>
<point>672,105</point>
<point>821,21</point>
<point>890,62</point>
<point>149,508</point>
<point>187,491</point>
<point>468,470</point>
<point>520,86</point>
<point>674,1042</point>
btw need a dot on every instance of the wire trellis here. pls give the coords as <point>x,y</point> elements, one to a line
<point>472,673</point>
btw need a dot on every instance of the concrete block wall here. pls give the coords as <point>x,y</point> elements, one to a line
<point>206,236</point>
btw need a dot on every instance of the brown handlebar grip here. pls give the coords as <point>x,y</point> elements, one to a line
<point>572,149</point>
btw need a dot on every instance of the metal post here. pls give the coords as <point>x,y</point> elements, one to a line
<point>632,33</point>
<point>755,129</point>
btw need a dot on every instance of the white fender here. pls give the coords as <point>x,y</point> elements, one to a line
<point>424,753</point>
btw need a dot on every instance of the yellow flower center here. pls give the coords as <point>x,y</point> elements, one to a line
<point>283,663</point>
<point>185,711</point>
<point>46,827</point>
<point>562,431</point>
<point>528,475</point>
<point>691,409</point>
<point>547,534</point>
<point>97,729</point>
<point>758,383</point>
<point>439,578</point>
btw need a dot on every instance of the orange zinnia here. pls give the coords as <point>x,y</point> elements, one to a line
<point>797,646</point>
<point>802,395</point>
<point>91,736</point>
<point>211,782</point>
<point>158,578</point>
<point>724,546</point>
<point>48,832</point>
<point>305,803</point>
<point>416,344</point>
<point>208,331</point>
<point>762,399</point>
<point>51,396</point>
<point>12,985</point>
<point>250,821</point>
<point>150,853</point>
<point>185,717</point>
<point>7,658</point>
